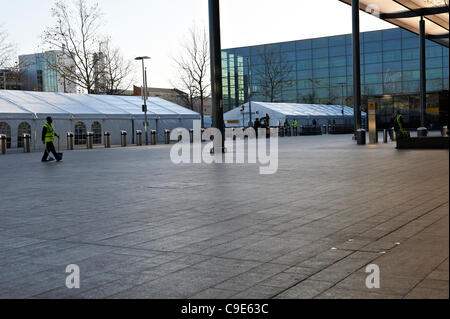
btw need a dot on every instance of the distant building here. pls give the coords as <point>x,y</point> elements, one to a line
<point>175,96</point>
<point>10,79</point>
<point>39,75</point>
<point>320,71</point>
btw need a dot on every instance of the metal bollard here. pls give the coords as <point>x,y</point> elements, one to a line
<point>180,136</point>
<point>27,143</point>
<point>191,136</point>
<point>89,140</point>
<point>281,129</point>
<point>153,137</point>
<point>385,136</point>
<point>422,132</point>
<point>167,136</point>
<point>203,132</point>
<point>123,138</point>
<point>361,136</point>
<point>107,139</point>
<point>70,137</point>
<point>2,144</point>
<point>138,138</point>
<point>444,131</point>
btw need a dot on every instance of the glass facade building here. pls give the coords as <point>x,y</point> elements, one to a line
<point>320,71</point>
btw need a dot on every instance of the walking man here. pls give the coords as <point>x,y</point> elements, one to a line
<point>48,137</point>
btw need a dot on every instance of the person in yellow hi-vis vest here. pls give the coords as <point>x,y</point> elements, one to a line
<point>48,137</point>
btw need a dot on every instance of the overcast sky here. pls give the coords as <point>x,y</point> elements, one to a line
<point>156,28</point>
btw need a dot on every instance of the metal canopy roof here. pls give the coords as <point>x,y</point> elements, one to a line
<point>407,13</point>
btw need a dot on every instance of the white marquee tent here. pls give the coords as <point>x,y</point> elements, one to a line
<point>23,111</point>
<point>279,112</point>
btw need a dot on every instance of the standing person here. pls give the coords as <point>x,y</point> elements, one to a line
<point>286,127</point>
<point>48,137</point>
<point>295,126</point>
<point>391,126</point>
<point>398,125</point>
<point>256,126</point>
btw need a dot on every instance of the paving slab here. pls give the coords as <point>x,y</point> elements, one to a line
<point>139,226</point>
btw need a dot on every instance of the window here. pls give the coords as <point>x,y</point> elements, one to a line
<point>372,47</point>
<point>24,128</point>
<point>320,43</point>
<point>80,134</point>
<point>320,53</point>
<point>5,129</point>
<point>337,51</point>
<point>338,61</point>
<point>392,45</point>
<point>97,130</point>
<point>320,63</point>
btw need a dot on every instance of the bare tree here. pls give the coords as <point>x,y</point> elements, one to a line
<point>274,74</point>
<point>76,34</point>
<point>187,90</point>
<point>6,48</point>
<point>115,70</point>
<point>193,66</point>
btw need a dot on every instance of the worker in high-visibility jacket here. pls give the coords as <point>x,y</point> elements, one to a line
<point>295,126</point>
<point>48,137</point>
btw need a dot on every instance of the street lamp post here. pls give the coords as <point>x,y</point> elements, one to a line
<point>342,96</point>
<point>250,123</point>
<point>144,88</point>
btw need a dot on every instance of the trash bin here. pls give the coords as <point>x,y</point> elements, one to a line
<point>361,136</point>
<point>27,143</point>
<point>139,138</point>
<point>2,144</point>
<point>90,140</point>
<point>123,138</point>
<point>385,136</point>
<point>153,137</point>
<point>191,135</point>
<point>445,131</point>
<point>70,137</point>
<point>422,132</point>
<point>167,136</point>
<point>107,139</point>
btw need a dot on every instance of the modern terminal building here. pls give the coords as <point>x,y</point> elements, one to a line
<point>320,71</point>
<point>25,112</point>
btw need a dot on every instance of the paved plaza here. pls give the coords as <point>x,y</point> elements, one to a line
<point>139,226</point>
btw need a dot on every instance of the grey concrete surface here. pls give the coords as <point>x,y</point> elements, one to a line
<point>139,226</point>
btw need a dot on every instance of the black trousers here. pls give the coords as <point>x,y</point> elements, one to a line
<point>49,148</point>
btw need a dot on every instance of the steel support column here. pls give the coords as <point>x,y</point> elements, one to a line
<point>356,65</point>
<point>423,75</point>
<point>216,67</point>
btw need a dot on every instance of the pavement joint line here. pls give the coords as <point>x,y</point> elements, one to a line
<point>409,222</point>
<point>423,279</point>
<point>292,286</point>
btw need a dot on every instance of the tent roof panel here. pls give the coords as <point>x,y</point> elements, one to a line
<point>31,103</point>
<point>86,105</point>
<point>297,110</point>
